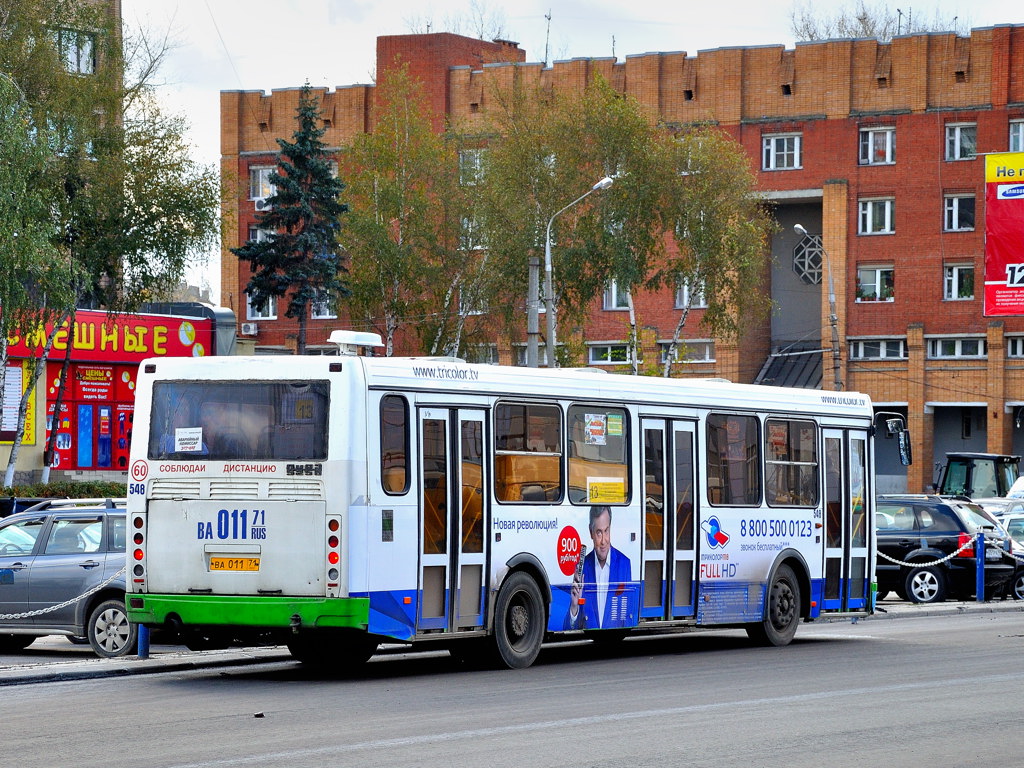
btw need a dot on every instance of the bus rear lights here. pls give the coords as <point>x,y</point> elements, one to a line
<point>333,542</point>
<point>138,570</point>
<point>138,554</point>
<point>333,525</point>
<point>137,522</point>
<point>137,538</point>
<point>333,558</point>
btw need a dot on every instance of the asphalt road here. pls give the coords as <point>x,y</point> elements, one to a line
<point>908,692</point>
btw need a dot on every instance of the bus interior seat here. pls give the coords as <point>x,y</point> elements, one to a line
<point>533,492</point>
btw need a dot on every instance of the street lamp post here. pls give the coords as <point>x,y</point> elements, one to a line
<point>549,289</point>
<point>833,318</point>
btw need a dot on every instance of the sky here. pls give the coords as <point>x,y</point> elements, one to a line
<point>223,45</point>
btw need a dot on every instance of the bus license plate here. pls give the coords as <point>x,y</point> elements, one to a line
<point>234,563</point>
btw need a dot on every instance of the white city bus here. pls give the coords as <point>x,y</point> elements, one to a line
<point>334,503</point>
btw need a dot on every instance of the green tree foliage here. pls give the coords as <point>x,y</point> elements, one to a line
<point>300,257</point>
<point>408,224</point>
<point>681,209</point>
<point>861,19</point>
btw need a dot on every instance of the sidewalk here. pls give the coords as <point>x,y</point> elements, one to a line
<point>175,658</point>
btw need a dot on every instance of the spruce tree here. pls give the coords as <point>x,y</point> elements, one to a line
<point>300,258</point>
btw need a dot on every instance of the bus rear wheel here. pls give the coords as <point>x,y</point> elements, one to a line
<point>332,650</point>
<point>519,621</point>
<point>782,614</point>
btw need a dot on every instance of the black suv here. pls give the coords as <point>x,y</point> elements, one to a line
<point>920,530</point>
<point>62,573</point>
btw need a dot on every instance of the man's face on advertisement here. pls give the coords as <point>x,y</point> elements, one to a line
<point>601,531</point>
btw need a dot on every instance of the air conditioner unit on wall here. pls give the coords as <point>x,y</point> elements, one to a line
<point>262,204</point>
<point>249,329</point>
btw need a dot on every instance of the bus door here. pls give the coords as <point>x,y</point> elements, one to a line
<point>452,517</point>
<point>669,511</point>
<point>846,521</point>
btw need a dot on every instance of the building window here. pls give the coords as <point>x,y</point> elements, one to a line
<point>322,307</point>
<point>1015,346</point>
<point>956,347</point>
<point>780,152</point>
<point>689,351</point>
<point>519,354</point>
<point>878,349</point>
<point>485,354</point>
<point>77,50</point>
<point>877,217</point>
<point>878,146</point>
<point>690,297</point>
<point>471,166</point>
<point>260,187</point>
<point>1017,135</point>
<point>609,354</point>
<point>265,311</point>
<point>615,297</point>
<point>961,141</point>
<point>958,282</point>
<point>959,213</point>
<point>875,284</point>
<point>472,236</point>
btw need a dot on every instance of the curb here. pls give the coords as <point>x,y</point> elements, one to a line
<point>187,661</point>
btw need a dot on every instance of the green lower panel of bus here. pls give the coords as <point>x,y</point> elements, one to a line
<point>245,611</point>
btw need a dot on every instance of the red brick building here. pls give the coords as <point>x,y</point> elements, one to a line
<point>874,149</point>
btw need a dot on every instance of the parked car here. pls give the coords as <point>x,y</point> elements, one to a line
<point>921,529</point>
<point>1012,519</point>
<point>61,573</point>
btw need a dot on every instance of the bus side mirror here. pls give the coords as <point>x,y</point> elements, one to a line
<point>897,426</point>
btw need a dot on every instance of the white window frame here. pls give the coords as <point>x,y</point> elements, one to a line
<point>471,166</point>
<point>1015,139</point>
<point>705,348</point>
<point>519,354</point>
<point>781,151</point>
<point>876,216</point>
<point>601,354</point>
<point>886,136</point>
<point>952,276</point>
<point>267,312</point>
<point>952,213</point>
<point>77,50</point>
<point>471,235</point>
<point>958,146</point>
<point>260,187</point>
<point>952,347</point>
<point>1015,346</point>
<point>484,354</point>
<point>877,283</point>
<point>322,307</point>
<point>684,295</point>
<point>614,298</point>
<point>878,349</point>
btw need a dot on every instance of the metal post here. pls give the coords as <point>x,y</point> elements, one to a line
<point>143,652</point>
<point>532,310</point>
<point>979,561</point>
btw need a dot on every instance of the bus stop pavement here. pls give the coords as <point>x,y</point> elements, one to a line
<point>83,664</point>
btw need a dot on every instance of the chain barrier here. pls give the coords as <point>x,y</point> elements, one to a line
<point>967,545</point>
<point>41,611</point>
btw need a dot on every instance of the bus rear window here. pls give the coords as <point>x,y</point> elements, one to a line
<point>239,420</point>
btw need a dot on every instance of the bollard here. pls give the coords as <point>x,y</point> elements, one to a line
<point>979,561</point>
<point>143,642</point>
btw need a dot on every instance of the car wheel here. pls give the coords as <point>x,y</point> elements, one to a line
<point>1017,586</point>
<point>78,640</point>
<point>782,614</point>
<point>11,643</point>
<point>110,632</point>
<point>925,585</point>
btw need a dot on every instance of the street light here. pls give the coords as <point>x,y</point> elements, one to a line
<point>833,318</point>
<point>549,289</point>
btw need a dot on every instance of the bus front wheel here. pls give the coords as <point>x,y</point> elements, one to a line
<point>519,621</point>
<point>782,614</point>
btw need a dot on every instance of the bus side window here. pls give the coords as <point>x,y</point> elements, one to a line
<point>528,453</point>
<point>394,444</point>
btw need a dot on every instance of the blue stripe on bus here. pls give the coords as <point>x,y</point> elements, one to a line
<point>391,615</point>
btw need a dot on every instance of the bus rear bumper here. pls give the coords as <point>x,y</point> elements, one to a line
<point>247,611</point>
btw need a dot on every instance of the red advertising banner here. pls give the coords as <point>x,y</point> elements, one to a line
<point>120,339</point>
<point>1004,234</point>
